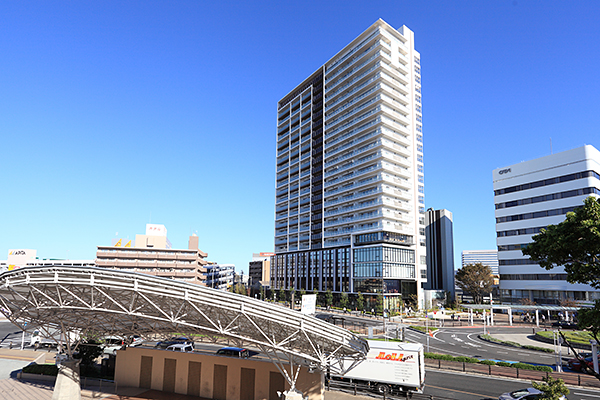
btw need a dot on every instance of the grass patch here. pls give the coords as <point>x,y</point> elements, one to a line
<point>423,329</point>
<point>579,337</point>
<point>515,344</point>
<point>447,357</point>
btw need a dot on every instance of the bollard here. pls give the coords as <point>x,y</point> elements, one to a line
<point>578,379</point>
<point>489,369</point>
<point>517,373</point>
<point>355,388</point>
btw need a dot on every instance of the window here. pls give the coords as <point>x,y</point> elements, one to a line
<point>423,260</point>
<point>417,69</point>
<point>419,128</point>
<point>419,138</point>
<point>420,168</point>
<point>421,199</point>
<point>421,179</point>
<point>420,148</point>
<point>417,79</point>
<point>418,98</point>
<point>420,158</point>
<point>418,108</point>
<point>421,189</point>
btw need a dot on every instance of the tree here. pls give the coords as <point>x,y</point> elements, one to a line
<point>328,298</point>
<point>379,304</point>
<point>552,389</point>
<point>573,243</point>
<point>475,279</point>
<point>344,300</point>
<point>262,292</point>
<point>281,295</point>
<point>360,302</point>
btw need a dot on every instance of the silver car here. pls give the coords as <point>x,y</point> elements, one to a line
<point>523,394</point>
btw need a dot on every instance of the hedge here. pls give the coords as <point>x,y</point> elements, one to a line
<point>447,357</point>
<point>41,369</point>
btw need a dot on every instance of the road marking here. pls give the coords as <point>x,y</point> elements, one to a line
<point>503,352</point>
<point>458,391</point>
<point>586,394</point>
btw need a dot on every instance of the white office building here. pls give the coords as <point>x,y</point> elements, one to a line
<point>528,197</point>
<point>485,257</point>
<point>350,184</point>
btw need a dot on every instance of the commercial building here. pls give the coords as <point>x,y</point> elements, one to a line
<point>152,254</point>
<point>220,276</point>
<point>440,251</point>
<point>528,197</point>
<point>19,258</point>
<point>259,269</point>
<point>350,184</point>
<point>485,257</point>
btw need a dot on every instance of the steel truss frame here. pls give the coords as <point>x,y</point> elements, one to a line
<point>109,302</point>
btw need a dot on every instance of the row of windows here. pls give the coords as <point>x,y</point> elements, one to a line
<point>387,270</point>
<point>508,247</point>
<point>389,237</point>
<point>381,253</point>
<point>548,197</point>
<point>537,214</point>
<point>533,277</point>
<point>545,182</point>
<point>516,262</point>
<point>516,232</point>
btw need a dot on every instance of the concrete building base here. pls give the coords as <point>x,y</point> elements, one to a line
<point>68,383</point>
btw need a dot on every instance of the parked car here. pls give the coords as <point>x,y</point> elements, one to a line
<point>111,344</point>
<point>184,348</point>
<point>174,340</point>
<point>236,352</point>
<point>524,394</point>
<point>565,325</point>
<point>575,364</point>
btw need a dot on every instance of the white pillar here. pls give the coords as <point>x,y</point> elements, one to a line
<point>537,318</point>
<point>567,316</point>
<point>471,316</point>
<point>491,313</point>
<point>595,354</point>
<point>510,316</point>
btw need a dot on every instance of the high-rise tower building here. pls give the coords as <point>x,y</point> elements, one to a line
<point>528,197</point>
<point>350,184</point>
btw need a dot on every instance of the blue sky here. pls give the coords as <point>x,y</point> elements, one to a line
<point>117,114</point>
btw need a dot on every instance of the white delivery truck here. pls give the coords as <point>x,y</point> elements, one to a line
<point>390,367</point>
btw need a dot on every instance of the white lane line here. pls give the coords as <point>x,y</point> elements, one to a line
<point>523,354</point>
<point>586,394</point>
<point>503,352</point>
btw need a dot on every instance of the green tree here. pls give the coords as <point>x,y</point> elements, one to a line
<point>573,243</point>
<point>262,292</point>
<point>475,279</point>
<point>344,300</point>
<point>552,389</point>
<point>240,289</point>
<point>281,295</point>
<point>360,302</point>
<point>379,304</point>
<point>328,298</point>
<point>302,293</point>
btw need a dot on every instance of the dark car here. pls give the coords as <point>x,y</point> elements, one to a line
<point>236,352</point>
<point>174,340</point>
<point>565,325</point>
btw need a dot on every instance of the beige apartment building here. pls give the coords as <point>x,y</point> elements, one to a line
<point>152,254</point>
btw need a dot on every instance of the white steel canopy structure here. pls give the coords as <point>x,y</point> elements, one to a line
<point>109,302</point>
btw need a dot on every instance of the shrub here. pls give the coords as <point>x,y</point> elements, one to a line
<point>41,369</point>
<point>466,359</point>
<point>487,362</point>
<point>503,364</point>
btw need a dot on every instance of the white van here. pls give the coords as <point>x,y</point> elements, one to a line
<point>181,347</point>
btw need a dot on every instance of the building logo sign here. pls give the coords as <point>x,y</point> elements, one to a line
<point>504,171</point>
<point>17,253</point>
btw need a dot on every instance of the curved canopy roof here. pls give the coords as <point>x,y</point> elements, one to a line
<point>104,301</point>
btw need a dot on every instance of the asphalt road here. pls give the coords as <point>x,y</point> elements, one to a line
<point>459,386</point>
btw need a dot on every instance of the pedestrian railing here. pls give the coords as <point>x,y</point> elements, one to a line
<point>570,378</point>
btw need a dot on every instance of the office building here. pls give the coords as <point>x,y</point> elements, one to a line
<point>153,254</point>
<point>528,197</point>
<point>259,269</point>
<point>440,251</point>
<point>350,184</point>
<point>485,257</point>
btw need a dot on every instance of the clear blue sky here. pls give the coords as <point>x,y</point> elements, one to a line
<point>115,114</point>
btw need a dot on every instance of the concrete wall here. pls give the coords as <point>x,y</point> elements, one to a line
<point>209,376</point>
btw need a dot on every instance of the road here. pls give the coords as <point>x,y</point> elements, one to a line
<point>470,387</point>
